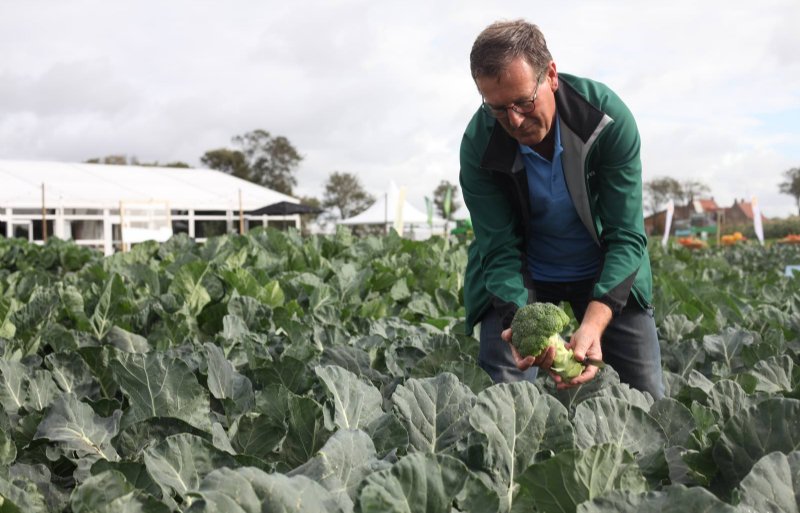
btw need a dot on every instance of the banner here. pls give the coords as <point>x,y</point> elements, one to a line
<point>429,208</point>
<point>759,229</point>
<point>668,222</point>
<point>398,220</point>
<point>448,198</point>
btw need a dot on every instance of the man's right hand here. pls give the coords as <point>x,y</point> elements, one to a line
<point>544,360</point>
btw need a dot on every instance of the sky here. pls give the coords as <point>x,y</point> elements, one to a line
<point>382,89</point>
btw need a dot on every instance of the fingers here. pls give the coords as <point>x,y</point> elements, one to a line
<point>587,375</point>
<point>545,360</point>
<point>521,363</point>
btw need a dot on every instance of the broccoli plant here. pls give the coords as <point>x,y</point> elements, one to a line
<point>537,326</point>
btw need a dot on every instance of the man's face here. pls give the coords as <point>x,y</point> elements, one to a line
<point>517,83</point>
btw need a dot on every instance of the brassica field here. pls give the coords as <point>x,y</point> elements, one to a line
<point>274,372</point>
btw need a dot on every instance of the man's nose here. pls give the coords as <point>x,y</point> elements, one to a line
<point>515,119</point>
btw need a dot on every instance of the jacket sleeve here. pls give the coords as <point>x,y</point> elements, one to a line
<point>496,257</point>
<point>617,165</point>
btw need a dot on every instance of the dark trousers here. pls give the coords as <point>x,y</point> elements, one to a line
<point>629,344</point>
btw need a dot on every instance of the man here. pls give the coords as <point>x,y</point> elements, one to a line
<point>551,175</point>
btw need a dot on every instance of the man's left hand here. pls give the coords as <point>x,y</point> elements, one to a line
<point>586,342</point>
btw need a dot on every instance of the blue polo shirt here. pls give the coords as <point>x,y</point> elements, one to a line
<point>560,247</point>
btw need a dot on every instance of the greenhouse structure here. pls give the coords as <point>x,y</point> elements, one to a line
<point>110,207</point>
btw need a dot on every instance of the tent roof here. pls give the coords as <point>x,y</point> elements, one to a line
<point>285,208</point>
<point>384,210</point>
<point>73,185</point>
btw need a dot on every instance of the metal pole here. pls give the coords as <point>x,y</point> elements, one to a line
<point>44,217</point>
<point>241,214</point>
<point>386,213</point>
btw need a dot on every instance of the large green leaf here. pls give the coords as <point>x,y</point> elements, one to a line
<point>306,432</point>
<point>250,490</point>
<point>726,346</point>
<point>7,308</point>
<point>110,492</point>
<point>420,482</point>
<point>340,466</point>
<point>772,425</point>
<point>356,404</point>
<point>83,435</point>
<point>181,461</point>
<point>517,423</point>
<point>675,419</point>
<point>774,375</point>
<point>111,304</point>
<point>727,398</point>
<point>42,390</point>
<point>21,496</point>
<point>773,484</point>
<point>563,482</point>
<point>188,285</point>
<point>434,411</point>
<point>610,420</point>
<point>672,499</point>
<point>159,386</point>
<point>8,450</point>
<point>226,384</point>
<point>13,385</point>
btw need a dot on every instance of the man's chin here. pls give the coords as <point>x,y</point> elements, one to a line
<point>528,139</point>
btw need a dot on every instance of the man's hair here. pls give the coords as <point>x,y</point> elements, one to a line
<point>502,42</point>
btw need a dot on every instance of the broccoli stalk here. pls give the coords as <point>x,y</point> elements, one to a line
<point>536,327</point>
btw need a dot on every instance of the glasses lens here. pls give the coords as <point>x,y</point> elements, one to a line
<point>524,107</point>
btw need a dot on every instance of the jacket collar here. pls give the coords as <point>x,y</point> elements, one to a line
<point>574,111</point>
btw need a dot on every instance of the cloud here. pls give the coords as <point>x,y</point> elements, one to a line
<point>382,89</point>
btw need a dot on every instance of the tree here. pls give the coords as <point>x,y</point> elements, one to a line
<point>692,189</point>
<point>660,190</point>
<point>792,185</point>
<point>439,195</point>
<point>228,161</point>
<point>344,192</point>
<point>262,159</point>
<point>272,160</point>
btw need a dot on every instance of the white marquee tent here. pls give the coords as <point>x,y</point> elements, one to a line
<point>392,210</point>
<point>84,201</point>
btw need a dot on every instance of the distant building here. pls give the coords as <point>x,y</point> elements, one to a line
<point>701,215</point>
<point>110,206</point>
<point>740,213</point>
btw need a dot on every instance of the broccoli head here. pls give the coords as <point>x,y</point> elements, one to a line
<point>536,327</point>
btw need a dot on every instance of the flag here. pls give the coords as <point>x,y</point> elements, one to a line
<point>398,220</point>
<point>759,229</point>
<point>668,222</point>
<point>448,198</point>
<point>429,208</point>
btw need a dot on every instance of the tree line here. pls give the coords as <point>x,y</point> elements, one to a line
<point>272,161</point>
<point>659,191</point>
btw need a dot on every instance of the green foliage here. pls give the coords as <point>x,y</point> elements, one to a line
<point>261,158</point>
<point>250,371</point>
<point>792,185</point>
<point>344,192</point>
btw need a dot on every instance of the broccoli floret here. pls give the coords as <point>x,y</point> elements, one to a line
<point>537,326</point>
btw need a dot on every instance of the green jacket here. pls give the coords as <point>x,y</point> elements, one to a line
<point>603,173</point>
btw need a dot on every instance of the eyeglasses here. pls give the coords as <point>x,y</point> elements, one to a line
<point>523,107</point>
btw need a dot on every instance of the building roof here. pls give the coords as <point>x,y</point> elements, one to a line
<point>74,185</point>
<point>707,205</point>
<point>746,207</point>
